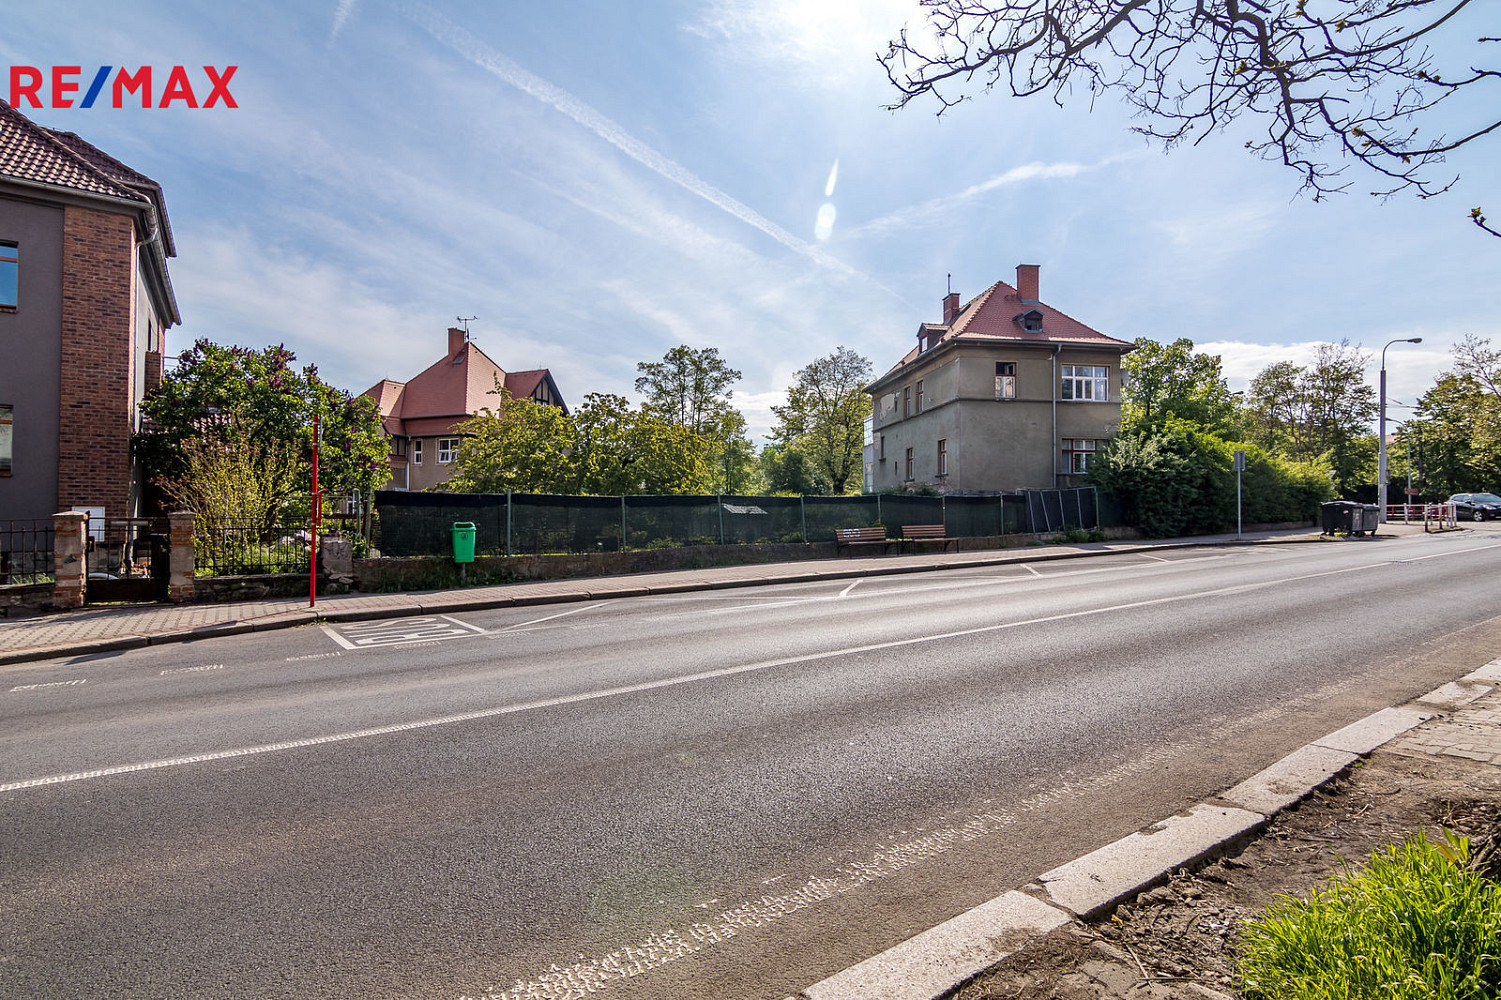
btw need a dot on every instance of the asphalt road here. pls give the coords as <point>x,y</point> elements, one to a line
<point>730,794</point>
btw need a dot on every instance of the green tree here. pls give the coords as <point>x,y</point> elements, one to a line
<point>1457,435</point>
<point>1174,380</point>
<point>1318,413</point>
<point>620,450</point>
<point>236,398</point>
<point>731,456</point>
<point>1331,83</point>
<point>787,472</point>
<point>690,388</point>
<point>824,418</point>
<point>520,446</point>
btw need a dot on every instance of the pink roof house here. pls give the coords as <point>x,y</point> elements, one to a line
<point>420,415</point>
<point>1006,393</point>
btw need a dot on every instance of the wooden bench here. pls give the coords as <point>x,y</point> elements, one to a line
<point>849,537</point>
<point>926,533</point>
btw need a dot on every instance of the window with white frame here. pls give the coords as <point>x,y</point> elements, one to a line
<point>1005,380</point>
<point>416,451</point>
<point>906,401</point>
<point>943,456</point>
<point>1078,453</point>
<point>919,395</point>
<point>909,477</point>
<point>1087,382</point>
<point>448,449</point>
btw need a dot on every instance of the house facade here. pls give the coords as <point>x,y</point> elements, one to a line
<point>421,414</point>
<point>1006,393</point>
<point>85,301</point>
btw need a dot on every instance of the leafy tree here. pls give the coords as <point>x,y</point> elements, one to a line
<point>234,398</point>
<point>824,418</point>
<point>1321,412</point>
<point>246,484</point>
<point>620,450</point>
<point>690,388</point>
<point>1456,436</point>
<point>1329,82</point>
<point>732,456</point>
<point>1173,478</point>
<point>1173,380</point>
<point>522,446</point>
<point>787,472</point>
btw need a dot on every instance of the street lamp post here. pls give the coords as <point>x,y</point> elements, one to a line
<point>1381,432</point>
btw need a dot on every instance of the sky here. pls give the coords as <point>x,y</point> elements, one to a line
<point>598,182</point>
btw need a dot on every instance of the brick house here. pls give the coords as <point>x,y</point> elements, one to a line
<point>85,300</point>
<point>1006,393</point>
<point>420,415</point>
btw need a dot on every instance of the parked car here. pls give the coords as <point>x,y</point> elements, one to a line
<point>1476,506</point>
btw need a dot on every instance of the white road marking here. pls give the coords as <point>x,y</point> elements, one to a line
<point>192,670</point>
<point>48,684</point>
<point>562,614</point>
<point>314,656</point>
<point>670,682</point>
<point>400,631</point>
<point>1157,558</point>
<point>1031,569</point>
<point>846,591</point>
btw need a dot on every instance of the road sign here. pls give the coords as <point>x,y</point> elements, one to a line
<point>1240,460</point>
<point>1411,491</point>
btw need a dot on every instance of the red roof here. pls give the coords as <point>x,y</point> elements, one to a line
<point>29,152</point>
<point>448,392</point>
<point>998,314</point>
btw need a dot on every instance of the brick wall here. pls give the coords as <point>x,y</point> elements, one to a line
<point>93,466</point>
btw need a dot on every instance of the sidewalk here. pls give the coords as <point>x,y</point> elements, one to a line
<point>104,629</point>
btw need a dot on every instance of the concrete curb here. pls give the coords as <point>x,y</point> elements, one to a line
<point>931,964</point>
<point>445,602</point>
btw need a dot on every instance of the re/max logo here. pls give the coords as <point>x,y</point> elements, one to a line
<point>26,83</point>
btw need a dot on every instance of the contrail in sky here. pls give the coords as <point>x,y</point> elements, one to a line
<point>471,48</point>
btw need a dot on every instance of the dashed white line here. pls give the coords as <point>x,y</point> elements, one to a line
<point>314,656</point>
<point>48,684</point>
<point>192,670</point>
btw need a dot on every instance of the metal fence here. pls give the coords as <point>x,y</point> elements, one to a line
<point>224,547</point>
<point>26,551</point>
<point>531,523</point>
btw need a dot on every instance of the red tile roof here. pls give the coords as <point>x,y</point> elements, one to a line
<point>449,392</point>
<point>29,152</point>
<point>995,315</point>
<point>121,174</point>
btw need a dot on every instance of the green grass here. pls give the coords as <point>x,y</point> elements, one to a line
<point>1418,923</point>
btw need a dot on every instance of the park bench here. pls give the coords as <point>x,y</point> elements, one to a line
<point>850,537</point>
<point>926,533</point>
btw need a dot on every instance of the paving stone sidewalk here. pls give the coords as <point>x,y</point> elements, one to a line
<point>110,628</point>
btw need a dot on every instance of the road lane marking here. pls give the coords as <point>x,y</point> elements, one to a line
<point>192,670</point>
<point>399,631</point>
<point>314,656</point>
<point>561,614</point>
<point>1031,569</point>
<point>48,684</point>
<point>1157,558</point>
<point>846,591</point>
<point>670,682</point>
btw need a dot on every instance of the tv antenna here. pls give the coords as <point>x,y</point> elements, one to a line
<point>466,321</point>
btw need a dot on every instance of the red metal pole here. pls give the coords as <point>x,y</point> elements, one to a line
<point>312,584</point>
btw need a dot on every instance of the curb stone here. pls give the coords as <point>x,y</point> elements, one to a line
<point>1096,883</point>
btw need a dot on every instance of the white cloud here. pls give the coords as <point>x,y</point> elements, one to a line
<point>934,211</point>
<point>341,15</point>
<point>826,44</point>
<point>499,66</point>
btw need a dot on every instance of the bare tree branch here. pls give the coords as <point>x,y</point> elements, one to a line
<point>1334,81</point>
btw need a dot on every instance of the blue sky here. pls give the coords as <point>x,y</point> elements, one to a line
<point>598,182</point>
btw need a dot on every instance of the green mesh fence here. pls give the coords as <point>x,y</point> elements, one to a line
<point>414,524</point>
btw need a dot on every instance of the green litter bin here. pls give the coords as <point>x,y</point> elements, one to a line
<point>463,541</point>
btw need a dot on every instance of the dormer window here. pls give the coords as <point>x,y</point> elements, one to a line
<point>1031,321</point>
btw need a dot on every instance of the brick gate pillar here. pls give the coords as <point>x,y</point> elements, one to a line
<point>70,562</point>
<point>180,562</point>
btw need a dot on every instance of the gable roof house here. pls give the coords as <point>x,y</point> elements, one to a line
<point>1006,393</point>
<point>420,415</point>
<point>85,300</point>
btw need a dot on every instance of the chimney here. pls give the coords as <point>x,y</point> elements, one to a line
<point>950,307</point>
<point>1026,282</point>
<point>456,339</point>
